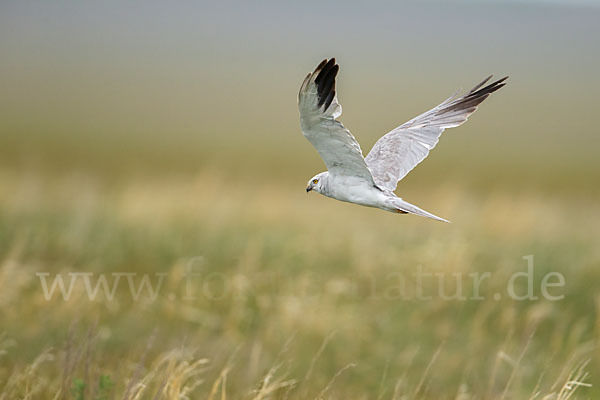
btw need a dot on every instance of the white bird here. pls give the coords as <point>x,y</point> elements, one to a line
<point>371,181</point>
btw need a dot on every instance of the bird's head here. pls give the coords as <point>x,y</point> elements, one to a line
<point>316,183</point>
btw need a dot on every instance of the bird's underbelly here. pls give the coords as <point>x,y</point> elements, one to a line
<point>357,192</point>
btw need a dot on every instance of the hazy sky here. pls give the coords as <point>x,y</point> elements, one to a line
<point>219,70</point>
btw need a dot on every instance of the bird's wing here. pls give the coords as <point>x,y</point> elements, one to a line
<point>319,109</point>
<point>399,151</point>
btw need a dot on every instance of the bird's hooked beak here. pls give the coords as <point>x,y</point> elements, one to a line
<point>308,188</point>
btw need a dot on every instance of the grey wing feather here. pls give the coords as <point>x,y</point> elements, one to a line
<point>319,108</point>
<point>399,151</point>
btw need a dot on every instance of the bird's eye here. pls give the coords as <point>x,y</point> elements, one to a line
<point>315,181</point>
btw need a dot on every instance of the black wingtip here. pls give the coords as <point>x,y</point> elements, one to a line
<point>477,95</point>
<point>328,100</point>
<point>480,84</point>
<point>491,88</point>
<point>324,68</point>
<point>321,64</point>
<point>326,71</point>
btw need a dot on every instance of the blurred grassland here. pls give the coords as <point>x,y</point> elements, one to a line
<point>300,270</point>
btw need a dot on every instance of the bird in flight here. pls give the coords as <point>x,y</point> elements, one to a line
<point>370,181</point>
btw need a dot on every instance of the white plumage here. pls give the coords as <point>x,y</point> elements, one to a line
<point>371,181</point>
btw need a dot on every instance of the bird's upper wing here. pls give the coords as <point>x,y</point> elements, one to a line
<point>399,151</point>
<point>319,109</point>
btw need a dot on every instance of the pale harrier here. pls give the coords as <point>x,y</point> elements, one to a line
<point>371,181</point>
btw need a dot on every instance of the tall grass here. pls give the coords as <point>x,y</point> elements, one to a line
<point>296,296</point>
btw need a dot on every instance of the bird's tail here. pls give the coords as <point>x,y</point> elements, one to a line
<point>404,206</point>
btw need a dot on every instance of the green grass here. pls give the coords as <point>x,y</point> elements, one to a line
<point>319,298</point>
